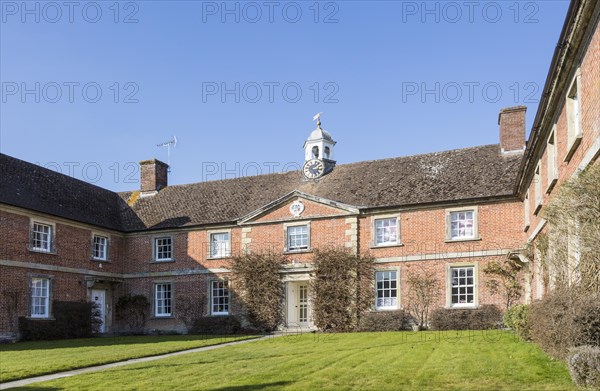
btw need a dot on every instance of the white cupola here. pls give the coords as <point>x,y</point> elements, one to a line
<point>319,144</point>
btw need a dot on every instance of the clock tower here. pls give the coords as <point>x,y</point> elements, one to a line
<point>318,152</point>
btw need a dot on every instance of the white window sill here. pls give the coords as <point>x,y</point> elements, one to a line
<point>551,185</point>
<point>162,260</point>
<point>299,251</point>
<point>461,239</point>
<point>220,314</point>
<point>383,309</point>
<point>384,245</point>
<point>42,251</point>
<point>100,260</point>
<point>214,257</point>
<point>462,307</point>
<point>573,147</point>
<point>40,317</point>
<point>163,317</point>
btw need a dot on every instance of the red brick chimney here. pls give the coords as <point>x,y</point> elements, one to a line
<point>153,175</point>
<point>512,128</point>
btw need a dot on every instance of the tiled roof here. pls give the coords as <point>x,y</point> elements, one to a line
<point>30,186</point>
<point>463,174</point>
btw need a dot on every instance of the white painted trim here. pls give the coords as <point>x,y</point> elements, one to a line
<point>591,155</point>
<point>87,272</point>
<point>442,256</point>
<point>537,230</point>
<point>293,194</point>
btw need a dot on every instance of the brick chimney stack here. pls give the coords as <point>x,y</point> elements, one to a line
<point>512,128</point>
<point>153,175</point>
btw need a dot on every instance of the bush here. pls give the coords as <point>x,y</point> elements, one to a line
<point>584,366</point>
<point>134,311</point>
<point>219,325</point>
<point>259,288</point>
<point>383,321</point>
<point>563,320</point>
<point>71,320</point>
<point>516,317</point>
<point>484,317</point>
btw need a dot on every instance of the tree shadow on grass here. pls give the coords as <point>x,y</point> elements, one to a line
<point>253,387</point>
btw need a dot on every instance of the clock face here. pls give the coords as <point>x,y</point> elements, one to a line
<point>313,168</point>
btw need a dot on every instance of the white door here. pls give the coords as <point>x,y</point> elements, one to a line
<point>99,297</point>
<point>298,310</point>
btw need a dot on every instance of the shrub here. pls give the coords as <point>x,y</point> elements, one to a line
<point>504,280</point>
<point>134,311</point>
<point>219,325</point>
<point>190,309</point>
<point>383,321</point>
<point>342,289</point>
<point>584,366</point>
<point>71,320</point>
<point>516,317</point>
<point>484,317</point>
<point>259,288</point>
<point>563,320</point>
<point>423,290</point>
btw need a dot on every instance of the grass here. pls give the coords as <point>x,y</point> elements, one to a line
<point>28,359</point>
<point>372,361</point>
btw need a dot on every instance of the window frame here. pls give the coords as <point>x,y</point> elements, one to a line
<point>210,235</point>
<point>155,299</point>
<point>51,234</point>
<point>155,250</point>
<point>374,220</point>
<point>475,285</point>
<point>397,289</point>
<point>227,297</point>
<point>106,246</point>
<point>48,298</point>
<point>286,235</point>
<point>574,115</point>
<point>537,184</point>
<point>526,211</point>
<point>450,211</point>
<point>552,160</point>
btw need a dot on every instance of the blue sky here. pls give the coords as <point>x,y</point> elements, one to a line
<point>161,68</point>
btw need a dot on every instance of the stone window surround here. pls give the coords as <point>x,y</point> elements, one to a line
<point>449,267</point>
<point>398,287</point>
<point>447,213</point>
<point>398,230</point>
<point>32,221</point>
<point>285,236</point>
<point>209,234</point>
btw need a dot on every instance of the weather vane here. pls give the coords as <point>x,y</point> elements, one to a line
<point>317,118</point>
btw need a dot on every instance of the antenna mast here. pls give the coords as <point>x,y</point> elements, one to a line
<point>168,144</point>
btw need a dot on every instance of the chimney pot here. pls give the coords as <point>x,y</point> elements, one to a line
<point>512,128</point>
<point>153,175</point>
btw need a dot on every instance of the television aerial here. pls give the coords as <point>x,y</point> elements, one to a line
<point>169,144</point>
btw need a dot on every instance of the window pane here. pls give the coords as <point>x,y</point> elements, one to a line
<point>462,291</point>
<point>386,290</point>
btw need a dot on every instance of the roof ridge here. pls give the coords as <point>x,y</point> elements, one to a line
<point>337,165</point>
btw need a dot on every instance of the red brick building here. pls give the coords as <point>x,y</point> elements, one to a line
<point>451,212</point>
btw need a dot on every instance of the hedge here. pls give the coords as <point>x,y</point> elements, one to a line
<point>220,325</point>
<point>71,320</point>
<point>484,317</point>
<point>383,321</point>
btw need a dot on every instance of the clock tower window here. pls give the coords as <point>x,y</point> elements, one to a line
<point>315,152</point>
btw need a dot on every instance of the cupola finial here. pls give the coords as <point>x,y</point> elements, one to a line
<point>317,117</point>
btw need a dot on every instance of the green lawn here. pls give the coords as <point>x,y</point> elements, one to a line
<point>373,361</point>
<point>27,359</point>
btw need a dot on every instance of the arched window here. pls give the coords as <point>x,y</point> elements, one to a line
<point>327,152</point>
<point>315,152</point>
